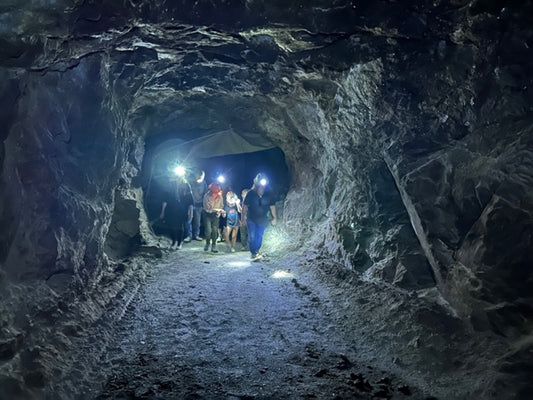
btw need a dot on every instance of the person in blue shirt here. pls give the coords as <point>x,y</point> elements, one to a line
<point>232,208</point>
<point>256,208</point>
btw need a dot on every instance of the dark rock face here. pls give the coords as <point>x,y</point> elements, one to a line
<point>408,130</point>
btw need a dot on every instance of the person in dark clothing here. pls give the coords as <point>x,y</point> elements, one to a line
<point>199,188</point>
<point>176,209</point>
<point>213,209</point>
<point>256,207</point>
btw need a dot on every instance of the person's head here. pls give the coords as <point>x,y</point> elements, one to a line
<point>260,182</point>
<point>199,176</point>
<point>231,197</point>
<point>215,188</point>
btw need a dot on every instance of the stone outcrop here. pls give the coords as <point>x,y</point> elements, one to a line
<point>408,131</point>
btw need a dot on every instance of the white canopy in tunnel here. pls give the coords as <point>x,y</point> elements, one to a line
<point>228,142</point>
<point>212,145</point>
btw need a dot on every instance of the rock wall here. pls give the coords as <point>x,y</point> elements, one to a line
<point>417,168</point>
<point>408,131</point>
<point>64,153</point>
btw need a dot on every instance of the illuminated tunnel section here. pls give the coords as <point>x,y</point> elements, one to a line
<point>237,170</point>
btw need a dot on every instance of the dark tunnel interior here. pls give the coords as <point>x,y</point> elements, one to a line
<point>238,171</point>
<point>389,256</point>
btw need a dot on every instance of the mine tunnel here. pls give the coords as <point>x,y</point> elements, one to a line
<point>397,137</point>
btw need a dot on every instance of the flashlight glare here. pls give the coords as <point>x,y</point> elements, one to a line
<point>240,264</point>
<point>263,182</point>
<point>179,170</point>
<point>279,274</point>
<point>221,179</point>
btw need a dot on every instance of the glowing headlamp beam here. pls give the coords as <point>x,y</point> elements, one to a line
<point>263,182</point>
<point>221,179</point>
<point>179,170</point>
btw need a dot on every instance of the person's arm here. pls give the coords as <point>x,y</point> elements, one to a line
<point>190,199</point>
<point>274,215</point>
<point>163,208</point>
<point>244,214</point>
<point>207,203</point>
<point>220,206</point>
<point>245,205</point>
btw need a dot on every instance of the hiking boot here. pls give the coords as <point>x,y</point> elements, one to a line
<point>206,247</point>
<point>256,257</point>
<point>180,246</point>
<point>174,246</point>
<point>214,249</point>
<point>232,250</point>
<point>198,238</point>
<point>187,239</point>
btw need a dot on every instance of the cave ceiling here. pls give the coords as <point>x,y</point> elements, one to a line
<point>205,66</point>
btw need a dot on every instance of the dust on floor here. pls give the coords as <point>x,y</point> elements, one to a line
<point>218,326</point>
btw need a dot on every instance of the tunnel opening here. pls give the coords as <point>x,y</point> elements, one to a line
<point>228,160</point>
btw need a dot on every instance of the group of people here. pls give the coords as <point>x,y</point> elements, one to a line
<point>188,206</point>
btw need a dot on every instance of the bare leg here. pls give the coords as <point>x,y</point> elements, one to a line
<point>234,236</point>
<point>226,236</point>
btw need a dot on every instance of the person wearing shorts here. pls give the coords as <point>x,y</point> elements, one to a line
<point>232,208</point>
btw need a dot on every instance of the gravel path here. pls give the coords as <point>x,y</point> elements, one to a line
<point>223,327</point>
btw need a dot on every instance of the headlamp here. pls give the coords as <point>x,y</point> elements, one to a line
<point>261,180</point>
<point>221,179</point>
<point>200,178</point>
<point>179,170</point>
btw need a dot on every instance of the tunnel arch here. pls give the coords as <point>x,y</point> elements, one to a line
<point>407,131</point>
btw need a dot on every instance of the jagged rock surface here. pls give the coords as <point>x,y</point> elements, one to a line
<point>407,129</point>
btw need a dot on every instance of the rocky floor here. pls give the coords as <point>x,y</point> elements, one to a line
<point>295,325</point>
<point>222,327</point>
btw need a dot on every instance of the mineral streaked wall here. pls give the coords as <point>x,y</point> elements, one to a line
<point>408,131</point>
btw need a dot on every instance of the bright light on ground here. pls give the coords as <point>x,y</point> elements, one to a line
<point>240,264</point>
<point>276,240</point>
<point>282,274</point>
